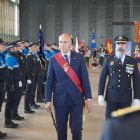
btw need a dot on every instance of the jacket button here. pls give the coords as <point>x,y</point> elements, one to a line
<point>128,75</point>
<point>119,86</point>
<point>119,80</point>
<point>119,70</point>
<point>119,75</point>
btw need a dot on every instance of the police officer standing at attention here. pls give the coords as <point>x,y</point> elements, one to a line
<point>3,79</point>
<point>31,77</point>
<point>53,49</point>
<point>68,79</point>
<point>22,66</point>
<point>121,69</point>
<point>14,82</point>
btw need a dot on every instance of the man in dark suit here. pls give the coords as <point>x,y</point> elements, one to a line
<point>121,69</point>
<point>68,79</point>
<point>124,125</point>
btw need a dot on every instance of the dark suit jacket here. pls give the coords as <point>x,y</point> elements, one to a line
<point>60,83</point>
<point>119,85</point>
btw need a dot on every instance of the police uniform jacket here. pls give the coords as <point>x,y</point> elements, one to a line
<point>22,63</point>
<point>14,74</point>
<point>119,83</point>
<point>3,69</point>
<point>31,66</point>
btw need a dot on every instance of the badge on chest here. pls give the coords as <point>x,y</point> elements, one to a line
<point>129,68</point>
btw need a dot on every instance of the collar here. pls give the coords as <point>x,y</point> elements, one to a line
<point>68,54</point>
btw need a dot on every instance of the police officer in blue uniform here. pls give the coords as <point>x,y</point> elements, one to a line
<point>22,66</point>
<point>31,77</point>
<point>3,79</point>
<point>121,69</point>
<point>14,82</point>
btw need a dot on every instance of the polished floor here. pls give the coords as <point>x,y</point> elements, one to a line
<point>39,126</point>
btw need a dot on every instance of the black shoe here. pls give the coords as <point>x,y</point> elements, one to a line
<point>17,117</point>
<point>40,101</point>
<point>3,134</point>
<point>34,106</point>
<point>1,137</point>
<point>29,112</point>
<point>9,124</point>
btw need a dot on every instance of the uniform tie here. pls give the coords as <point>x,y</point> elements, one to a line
<point>120,61</point>
<point>66,58</point>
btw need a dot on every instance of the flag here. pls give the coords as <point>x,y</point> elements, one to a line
<point>106,42</point>
<point>41,49</point>
<point>71,39</point>
<point>76,49</point>
<point>108,46</point>
<point>111,45</point>
<point>83,44</point>
<point>93,42</point>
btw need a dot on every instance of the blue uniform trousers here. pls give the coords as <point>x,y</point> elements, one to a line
<point>113,106</point>
<point>11,98</point>
<point>75,122</point>
<point>29,94</point>
<point>18,98</point>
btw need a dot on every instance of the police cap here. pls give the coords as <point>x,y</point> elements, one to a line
<point>12,44</point>
<point>121,39</point>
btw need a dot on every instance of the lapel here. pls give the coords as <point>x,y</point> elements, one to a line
<point>126,61</point>
<point>72,59</point>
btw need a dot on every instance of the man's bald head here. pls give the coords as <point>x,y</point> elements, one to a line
<point>64,43</point>
<point>65,36</point>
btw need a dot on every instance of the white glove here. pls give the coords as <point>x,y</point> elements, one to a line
<point>20,84</point>
<point>29,81</point>
<point>136,102</point>
<point>101,100</point>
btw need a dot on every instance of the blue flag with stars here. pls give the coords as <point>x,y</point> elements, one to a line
<point>41,49</point>
<point>93,42</point>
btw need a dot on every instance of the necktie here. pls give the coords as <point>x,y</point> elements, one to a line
<point>120,61</point>
<point>66,58</point>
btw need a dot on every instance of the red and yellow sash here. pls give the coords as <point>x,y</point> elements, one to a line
<point>69,71</point>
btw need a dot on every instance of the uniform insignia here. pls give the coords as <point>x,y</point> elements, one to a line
<point>120,37</point>
<point>21,57</point>
<point>29,53</point>
<point>1,61</point>
<point>129,68</point>
<point>74,57</point>
<point>112,63</point>
<point>93,41</point>
<point>66,67</point>
<point>9,56</point>
<point>34,59</point>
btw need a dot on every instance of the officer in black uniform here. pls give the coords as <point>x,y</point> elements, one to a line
<point>22,66</point>
<point>3,79</point>
<point>14,82</point>
<point>121,69</point>
<point>124,125</point>
<point>31,77</point>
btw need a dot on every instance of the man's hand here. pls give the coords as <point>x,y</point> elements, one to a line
<point>48,107</point>
<point>29,81</point>
<point>89,106</point>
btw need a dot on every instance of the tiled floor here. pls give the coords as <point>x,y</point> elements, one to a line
<point>39,126</point>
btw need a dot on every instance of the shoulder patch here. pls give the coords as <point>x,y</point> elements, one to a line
<point>9,56</point>
<point>122,112</point>
<point>29,53</point>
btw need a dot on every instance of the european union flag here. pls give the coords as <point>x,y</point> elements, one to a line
<point>93,42</point>
<point>41,49</point>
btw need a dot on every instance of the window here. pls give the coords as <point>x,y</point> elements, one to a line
<point>9,19</point>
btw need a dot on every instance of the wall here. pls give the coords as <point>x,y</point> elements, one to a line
<point>77,18</point>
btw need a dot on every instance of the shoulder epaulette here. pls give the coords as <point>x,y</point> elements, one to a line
<point>29,53</point>
<point>122,112</point>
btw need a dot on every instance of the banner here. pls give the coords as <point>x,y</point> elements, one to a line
<point>93,42</point>
<point>137,32</point>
